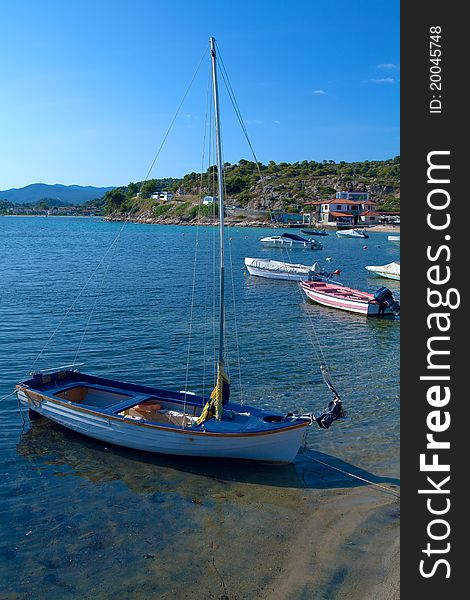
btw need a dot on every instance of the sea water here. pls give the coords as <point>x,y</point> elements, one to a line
<point>79,518</point>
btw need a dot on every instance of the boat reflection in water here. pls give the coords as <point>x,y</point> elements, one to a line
<point>68,453</point>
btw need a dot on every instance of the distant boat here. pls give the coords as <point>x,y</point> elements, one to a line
<point>394,238</point>
<point>275,269</point>
<point>314,232</point>
<point>291,240</point>
<point>352,233</point>
<point>380,304</point>
<point>391,270</point>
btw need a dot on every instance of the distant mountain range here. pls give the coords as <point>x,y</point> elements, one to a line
<point>68,194</point>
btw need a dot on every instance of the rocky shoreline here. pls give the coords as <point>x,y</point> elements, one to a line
<point>147,220</point>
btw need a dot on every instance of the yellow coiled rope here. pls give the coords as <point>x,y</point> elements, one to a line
<point>214,406</point>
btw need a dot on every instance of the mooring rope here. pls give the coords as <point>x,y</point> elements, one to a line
<point>382,487</point>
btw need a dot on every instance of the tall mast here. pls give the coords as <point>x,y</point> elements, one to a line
<point>221,198</point>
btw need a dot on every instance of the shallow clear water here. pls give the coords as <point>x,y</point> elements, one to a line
<point>81,519</point>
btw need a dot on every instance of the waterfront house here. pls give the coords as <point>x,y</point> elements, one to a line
<point>356,209</point>
<point>369,217</point>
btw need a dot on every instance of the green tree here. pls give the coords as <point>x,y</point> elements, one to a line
<point>132,190</point>
<point>148,188</point>
<point>115,199</point>
<point>235,184</point>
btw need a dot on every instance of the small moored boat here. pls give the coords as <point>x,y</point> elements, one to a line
<point>394,238</point>
<point>352,233</point>
<point>275,269</point>
<point>291,240</point>
<point>155,420</point>
<point>390,270</point>
<point>314,232</point>
<point>380,304</point>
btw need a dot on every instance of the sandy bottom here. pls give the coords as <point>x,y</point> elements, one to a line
<point>347,548</point>
<point>117,525</point>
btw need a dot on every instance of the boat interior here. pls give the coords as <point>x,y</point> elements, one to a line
<point>126,400</point>
<point>339,291</point>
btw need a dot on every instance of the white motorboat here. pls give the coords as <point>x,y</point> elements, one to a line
<point>390,270</point>
<point>352,233</point>
<point>291,240</point>
<point>275,269</point>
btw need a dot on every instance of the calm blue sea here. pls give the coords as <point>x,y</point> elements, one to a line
<point>79,519</point>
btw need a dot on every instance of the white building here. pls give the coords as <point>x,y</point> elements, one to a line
<point>341,212</point>
<point>162,196</point>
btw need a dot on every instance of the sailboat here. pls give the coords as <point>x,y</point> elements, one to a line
<point>148,418</point>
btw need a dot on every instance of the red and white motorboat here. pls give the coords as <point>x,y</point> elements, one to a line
<point>380,304</point>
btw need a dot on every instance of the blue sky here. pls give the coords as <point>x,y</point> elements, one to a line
<point>88,88</point>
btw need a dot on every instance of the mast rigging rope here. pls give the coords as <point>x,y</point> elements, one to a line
<point>316,346</point>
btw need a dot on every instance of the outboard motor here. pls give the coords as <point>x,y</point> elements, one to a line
<point>333,411</point>
<point>386,300</point>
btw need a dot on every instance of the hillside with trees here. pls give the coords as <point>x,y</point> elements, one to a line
<point>283,187</point>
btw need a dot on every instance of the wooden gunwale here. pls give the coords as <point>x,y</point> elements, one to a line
<point>41,397</point>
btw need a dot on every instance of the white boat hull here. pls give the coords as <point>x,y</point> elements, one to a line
<point>385,274</point>
<point>279,446</point>
<point>277,270</point>
<point>390,271</point>
<point>277,274</point>
<point>281,243</point>
<point>352,233</point>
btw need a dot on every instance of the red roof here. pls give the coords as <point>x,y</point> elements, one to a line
<point>340,214</point>
<point>370,213</point>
